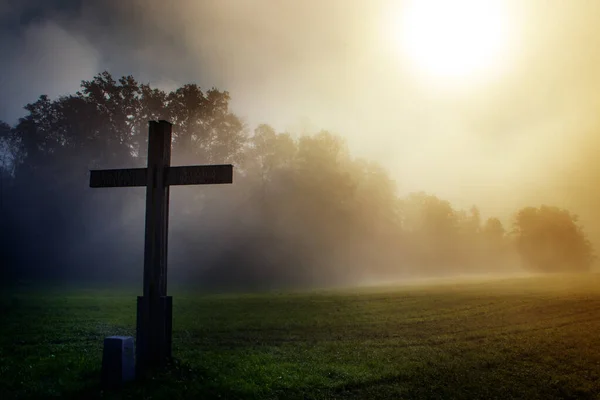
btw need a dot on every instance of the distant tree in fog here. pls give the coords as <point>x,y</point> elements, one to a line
<point>432,227</point>
<point>549,239</point>
<point>8,148</point>
<point>496,244</point>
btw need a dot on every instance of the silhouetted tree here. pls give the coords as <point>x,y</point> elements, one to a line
<point>205,129</point>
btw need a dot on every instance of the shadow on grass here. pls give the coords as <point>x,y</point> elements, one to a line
<point>177,381</point>
<point>180,381</point>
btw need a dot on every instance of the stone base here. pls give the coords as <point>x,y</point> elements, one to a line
<point>118,363</point>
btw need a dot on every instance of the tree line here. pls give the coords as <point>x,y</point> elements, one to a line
<point>302,211</point>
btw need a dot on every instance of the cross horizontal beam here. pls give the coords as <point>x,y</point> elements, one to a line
<point>185,175</point>
<point>129,177</point>
<point>200,175</point>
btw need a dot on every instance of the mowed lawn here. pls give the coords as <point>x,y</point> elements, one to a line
<point>529,338</point>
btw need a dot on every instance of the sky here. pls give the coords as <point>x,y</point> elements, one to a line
<point>523,130</point>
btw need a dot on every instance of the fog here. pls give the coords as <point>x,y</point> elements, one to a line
<point>524,134</point>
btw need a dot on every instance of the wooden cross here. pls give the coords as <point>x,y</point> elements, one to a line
<point>154,308</point>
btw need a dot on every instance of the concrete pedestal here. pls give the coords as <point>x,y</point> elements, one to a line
<point>118,360</point>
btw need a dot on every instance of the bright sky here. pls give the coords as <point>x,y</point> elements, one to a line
<point>489,102</point>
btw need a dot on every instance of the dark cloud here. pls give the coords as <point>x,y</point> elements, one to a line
<point>260,47</point>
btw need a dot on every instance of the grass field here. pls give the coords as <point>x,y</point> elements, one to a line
<point>529,338</point>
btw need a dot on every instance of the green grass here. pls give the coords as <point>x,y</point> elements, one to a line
<point>530,338</point>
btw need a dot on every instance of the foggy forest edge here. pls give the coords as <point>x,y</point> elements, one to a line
<point>302,210</point>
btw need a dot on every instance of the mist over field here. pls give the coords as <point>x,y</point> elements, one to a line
<point>353,165</point>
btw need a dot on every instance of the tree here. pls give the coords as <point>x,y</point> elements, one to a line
<point>432,226</point>
<point>302,210</point>
<point>495,244</point>
<point>204,129</point>
<point>549,239</point>
<point>9,149</point>
<point>469,246</point>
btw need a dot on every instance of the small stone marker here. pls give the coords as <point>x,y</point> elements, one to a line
<point>118,362</point>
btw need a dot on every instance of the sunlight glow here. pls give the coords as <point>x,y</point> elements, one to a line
<point>452,39</point>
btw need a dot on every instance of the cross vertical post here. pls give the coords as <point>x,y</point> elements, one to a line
<point>154,308</point>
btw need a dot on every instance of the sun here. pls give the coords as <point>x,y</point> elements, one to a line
<point>452,38</point>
